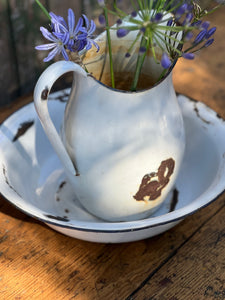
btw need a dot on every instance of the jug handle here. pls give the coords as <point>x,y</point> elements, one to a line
<point>41,92</point>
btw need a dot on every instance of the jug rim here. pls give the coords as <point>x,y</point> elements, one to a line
<point>138,91</point>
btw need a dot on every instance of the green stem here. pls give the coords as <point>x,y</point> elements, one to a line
<point>140,61</point>
<point>119,11</point>
<point>134,42</point>
<point>43,9</point>
<point>171,47</point>
<point>110,47</point>
<point>162,74</point>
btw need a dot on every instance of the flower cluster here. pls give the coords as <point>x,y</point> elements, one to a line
<point>173,26</point>
<point>195,33</point>
<point>166,27</point>
<point>68,38</point>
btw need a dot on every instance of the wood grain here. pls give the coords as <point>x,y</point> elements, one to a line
<point>197,271</point>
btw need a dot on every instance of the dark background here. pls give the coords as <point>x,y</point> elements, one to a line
<point>20,63</point>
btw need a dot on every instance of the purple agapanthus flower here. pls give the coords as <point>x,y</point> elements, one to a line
<point>68,37</point>
<point>57,46</point>
<point>77,32</point>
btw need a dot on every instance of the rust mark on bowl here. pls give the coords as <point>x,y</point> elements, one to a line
<point>199,116</point>
<point>62,184</point>
<point>7,181</point>
<point>58,218</point>
<point>22,129</point>
<point>63,97</point>
<point>153,183</point>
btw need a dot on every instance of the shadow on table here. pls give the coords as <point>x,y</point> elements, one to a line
<point>10,210</point>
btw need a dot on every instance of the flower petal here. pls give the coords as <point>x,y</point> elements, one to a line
<point>92,28</point>
<point>71,20</point>
<point>96,45</point>
<point>52,54</point>
<point>89,45</point>
<point>58,22</point>
<point>79,26</point>
<point>46,46</point>
<point>86,21</point>
<point>48,35</point>
<point>64,53</point>
<point>82,36</point>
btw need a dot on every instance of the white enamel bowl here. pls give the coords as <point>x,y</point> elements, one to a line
<point>32,178</point>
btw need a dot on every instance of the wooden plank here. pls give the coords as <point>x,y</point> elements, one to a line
<point>37,262</point>
<point>197,271</point>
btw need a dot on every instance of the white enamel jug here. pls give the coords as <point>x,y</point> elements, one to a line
<point>122,151</point>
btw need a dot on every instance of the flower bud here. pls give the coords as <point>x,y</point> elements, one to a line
<point>188,36</point>
<point>119,22</point>
<point>205,25</point>
<point>101,19</point>
<point>134,14</point>
<point>181,10</point>
<point>157,18</point>
<point>188,55</point>
<point>210,32</point>
<point>165,61</point>
<point>121,32</point>
<point>188,19</point>
<point>200,36</point>
<point>208,43</point>
<point>142,50</point>
<point>170,22</point>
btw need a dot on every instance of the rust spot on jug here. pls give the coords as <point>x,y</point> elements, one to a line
<point>44,94</point>
<point>153,183</point>
<point>174,200</point>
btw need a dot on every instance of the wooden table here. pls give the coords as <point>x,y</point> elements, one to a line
<point>186,262</point>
